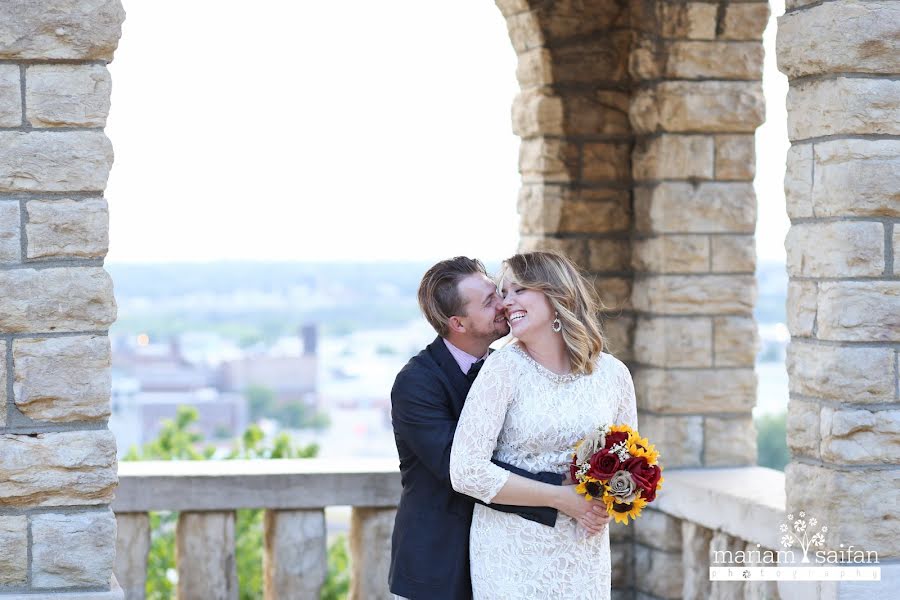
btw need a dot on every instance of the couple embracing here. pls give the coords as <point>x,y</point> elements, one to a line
<point>485,438</point>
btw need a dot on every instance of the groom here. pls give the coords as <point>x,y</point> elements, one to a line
<point>430,543</point>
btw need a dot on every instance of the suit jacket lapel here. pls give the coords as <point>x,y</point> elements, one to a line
<point>450,368</point>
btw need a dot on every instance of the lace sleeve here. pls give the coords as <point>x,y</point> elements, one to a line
<point>471,470</point>
<point>625,399</point>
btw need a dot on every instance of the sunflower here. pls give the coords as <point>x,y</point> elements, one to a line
<point>638,446</point>
<point>620,511</point>
<point>590,488</point>
<point>622,427</point>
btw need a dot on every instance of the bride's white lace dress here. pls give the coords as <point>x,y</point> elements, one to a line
<point>525,415</point>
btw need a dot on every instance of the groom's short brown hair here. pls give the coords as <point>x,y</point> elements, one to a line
<point>439,296</point>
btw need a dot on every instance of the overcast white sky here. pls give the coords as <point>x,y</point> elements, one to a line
<point>314,131</point>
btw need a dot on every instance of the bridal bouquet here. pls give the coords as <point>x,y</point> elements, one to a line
<point>616,465</point>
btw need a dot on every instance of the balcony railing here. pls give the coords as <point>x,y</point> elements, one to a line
<point>698,511</point>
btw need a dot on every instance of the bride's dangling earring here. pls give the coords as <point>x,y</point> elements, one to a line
<point>556,325</point>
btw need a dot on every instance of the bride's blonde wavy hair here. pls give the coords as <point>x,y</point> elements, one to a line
<point>571,296</point>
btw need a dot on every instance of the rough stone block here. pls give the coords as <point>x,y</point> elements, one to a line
<point>54,161</point>
<point>606,161</point>
<point>735,157</point>
<point>10,232</point>
<point>63,378</point>
<point>574,248</point>
<point>56,300</point>
<point>825,494</point>
<point>699,106</point>
<point>673,342</point>
<point>678,439</point>
<point>666,568</point>
<point>603,112</point>
<point>722,550</point>
<point>543,159</point>
<point>798,181</point>
<point>712,60</point>
<point>536,113</point>
<point>614,292</point>
<point>556,209</point>
<point>713,207</point>
<point>3,383</point>
<point>844,105</point>
<point>736,341</point>
<point>65,29</point>
<point>671,254</point>
<point>204,552</point>
<point>295,560</point>
<point>674,157</point>
<point>849,375</point>
<point>802,428</point>
<point>57,469</point>
<point>700,294</point>
<point>608,255</point>
<point>592,59</point>
<point>67,228</point>
<point>729,442</point>
<point>733,253</point>
<point>13,550</point>
<point>677,391</point>
<point>73,549</point>
<point>67,95</point>
<point>859,311</point>
<point>658,530</point>
<point>847,249</point>
<point>839,37</point>
<point>856,178</point>
<point>860,436</point>
<point>621,559</point>
<point>691,20</point>
<point>745,21</point>
<point>617,336</point>
<point>10,96</point>
<point>802,298</point>
<point>896,245</point>
<point>534,68</point>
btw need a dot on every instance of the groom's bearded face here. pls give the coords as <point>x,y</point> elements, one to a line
<point>484,317</point>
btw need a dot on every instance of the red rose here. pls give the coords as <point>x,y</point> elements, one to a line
<point>644,474</point>
<point>604,464</point>
<point>615,437</point>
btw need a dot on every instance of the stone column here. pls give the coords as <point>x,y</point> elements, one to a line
<point>57,457</point>
<point>295,561</point>
<point>370,552</point>
<point>697,71</point>
<point>572,116</point>
<point>841,185</point>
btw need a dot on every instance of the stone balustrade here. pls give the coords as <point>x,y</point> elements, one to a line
<point>294,494</point>
<point>698,511</point>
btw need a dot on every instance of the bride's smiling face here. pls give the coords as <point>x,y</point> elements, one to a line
<point>528,311</point>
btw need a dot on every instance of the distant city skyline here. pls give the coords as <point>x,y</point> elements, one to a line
<point>335,132</point>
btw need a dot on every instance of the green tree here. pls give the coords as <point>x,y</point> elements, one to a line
<point>771,441</point>
<point>177,440</point>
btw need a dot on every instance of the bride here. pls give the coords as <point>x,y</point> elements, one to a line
<point>533,400</point>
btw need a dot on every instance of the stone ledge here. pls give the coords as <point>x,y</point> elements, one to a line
<point>748,502</point>
<point>115,593</point>
<point>274,484</point>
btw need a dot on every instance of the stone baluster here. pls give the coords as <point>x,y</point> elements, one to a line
<point>295,560</point>
<point>204,553</point>
<point>370,552</point>
<point>132,550</point>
